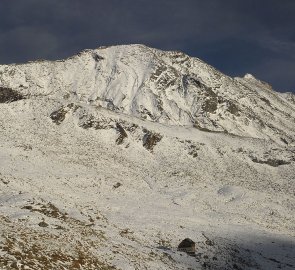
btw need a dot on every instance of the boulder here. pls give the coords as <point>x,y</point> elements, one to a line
<point>188,246</point>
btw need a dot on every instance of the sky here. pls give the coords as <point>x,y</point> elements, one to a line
<point>234,36</point>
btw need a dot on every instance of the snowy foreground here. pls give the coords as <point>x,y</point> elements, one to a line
<point>109,159</point>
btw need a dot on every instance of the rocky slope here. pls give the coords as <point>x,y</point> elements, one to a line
<point>109,159</point>
<point>164,87</point>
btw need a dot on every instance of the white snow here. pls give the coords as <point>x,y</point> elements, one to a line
<point>234,186</point>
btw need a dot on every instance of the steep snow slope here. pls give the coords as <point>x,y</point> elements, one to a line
<point>87,182</point>
<point>164,87</point>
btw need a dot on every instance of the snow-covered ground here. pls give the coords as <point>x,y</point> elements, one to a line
<point>109,159</point>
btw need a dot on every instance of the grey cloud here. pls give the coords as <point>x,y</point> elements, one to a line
<point>29,42</point>
<point>58,28</point>
<point>280,71</point>
<point>285,47</point>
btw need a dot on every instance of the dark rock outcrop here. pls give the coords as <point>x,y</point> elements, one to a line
<point>122,134</point>
<point>8,95</point>
<point>151,139</point>
<point>271,162</point>
<point>58,116</point>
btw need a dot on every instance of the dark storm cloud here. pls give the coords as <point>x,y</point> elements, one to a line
<point>236,36</point>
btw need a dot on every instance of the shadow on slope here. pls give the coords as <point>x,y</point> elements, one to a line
<point>256,251</point>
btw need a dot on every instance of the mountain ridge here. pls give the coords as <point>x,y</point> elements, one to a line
<point>167,87</point>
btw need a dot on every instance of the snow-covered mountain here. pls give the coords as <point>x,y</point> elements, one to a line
<point>164,87</point>
<point>111,157</point>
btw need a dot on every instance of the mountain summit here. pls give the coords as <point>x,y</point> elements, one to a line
<point>115,157</point>
<point>165,87</point>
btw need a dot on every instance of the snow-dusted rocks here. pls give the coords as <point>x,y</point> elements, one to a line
<point>124,151</point>
<point>8,95</point>
<point>164,87</point>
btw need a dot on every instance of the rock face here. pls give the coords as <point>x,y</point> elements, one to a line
<point>165,87</point>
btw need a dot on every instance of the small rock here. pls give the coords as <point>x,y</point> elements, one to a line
<point>6,182</point>
<point>14,265</point>
<point>43,224</point>
<point>28,207</point>
<point>118,184</point>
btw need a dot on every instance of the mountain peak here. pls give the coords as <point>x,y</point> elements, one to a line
<point>249,76</point>
<point>165,87</point>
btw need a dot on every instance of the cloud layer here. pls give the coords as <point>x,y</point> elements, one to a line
<point>235,36</point>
